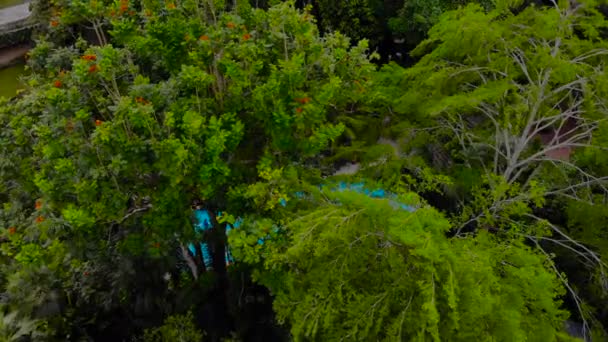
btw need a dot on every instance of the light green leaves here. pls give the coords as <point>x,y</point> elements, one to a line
<point>192,123</point>
<point>370,272</point>
<point>194,78</point>
<point>79,218</point>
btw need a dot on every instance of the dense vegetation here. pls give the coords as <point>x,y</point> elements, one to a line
<point>138,112</point>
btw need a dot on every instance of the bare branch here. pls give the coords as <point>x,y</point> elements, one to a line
<point>575,297</point>
<point>190,261</point>
<point>135,211</point>
<point>592,53</point>
<point>523,140</point>
<point>518,57</point>
<point>557,230</point>
<point>576,186</point>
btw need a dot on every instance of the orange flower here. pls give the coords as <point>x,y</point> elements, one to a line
<point>93,68</point>
<point>89,57</point>
<point>112,13</point>
<point>139,99</point>
<point>12,230</point>
<point>246,36</point>
<point>299,110</point>
<point>38,204</point>
<point>230,25</point>
<point>54,23</point>
<point>69,126</point>
<point>124,6</point>
<point>303,100</point>
<point>39,219</point>
<point>171,6</point>
<point>98,122</point>
<point>57,84</point>
<point>204,37</point>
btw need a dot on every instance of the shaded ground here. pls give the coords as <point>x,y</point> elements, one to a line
<point>8,56</point>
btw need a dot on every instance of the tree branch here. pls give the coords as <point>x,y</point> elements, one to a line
<point>135,211</point>
<point>190,261</point>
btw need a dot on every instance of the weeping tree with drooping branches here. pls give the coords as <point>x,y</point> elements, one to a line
<point>514,103</point>
<point>358,268</point>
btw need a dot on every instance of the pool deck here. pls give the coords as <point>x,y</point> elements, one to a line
<point>8,56</point>
<point>11,17</point>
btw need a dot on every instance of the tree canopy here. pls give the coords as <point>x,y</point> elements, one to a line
<point>136,113</point>
<point>364,270</point>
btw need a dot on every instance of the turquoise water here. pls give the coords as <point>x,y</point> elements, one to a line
<point>9,80</point>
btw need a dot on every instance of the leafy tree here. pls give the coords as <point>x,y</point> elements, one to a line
<point>514,103</point>
<point>358,19</point>
<point>416,17</point>
<point>104,155</point>
<point>175,328</point>
<point>356,268</point>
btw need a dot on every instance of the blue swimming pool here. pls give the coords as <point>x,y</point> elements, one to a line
<point>203,220</point>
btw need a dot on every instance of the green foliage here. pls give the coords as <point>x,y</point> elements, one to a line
<point>515,96</point>
<point>117,141</point>
<point>490,88</point>
<point>234,108</point>
<point>588,221</point>
<point>416,17</point>
<point>362,270</point>
<point>357,19</point>
<point>175,328</point>
<point>13,329</point>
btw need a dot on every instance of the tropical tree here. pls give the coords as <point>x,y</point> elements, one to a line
<point>416,17</point>
<point>357,19</point>
<point>357,268</point>
<point>175,328</point>
<point>110,147</point>
<point>514,103</point>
